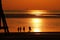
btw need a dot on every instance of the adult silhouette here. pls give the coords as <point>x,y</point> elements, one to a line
<point>19,29</point>
<point>23,28</point>
<point>2,16</point>
<point>29,29</point>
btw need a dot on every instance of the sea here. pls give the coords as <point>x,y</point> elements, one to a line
<point>51,23</point>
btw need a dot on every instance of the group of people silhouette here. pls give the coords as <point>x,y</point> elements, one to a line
<point>20,29</point>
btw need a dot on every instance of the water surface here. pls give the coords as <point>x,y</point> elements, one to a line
<point>37,24</point>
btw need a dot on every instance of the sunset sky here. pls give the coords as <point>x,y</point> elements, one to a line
<point>31,4</point>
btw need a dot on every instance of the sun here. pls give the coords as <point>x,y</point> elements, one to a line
<point>37,12</point>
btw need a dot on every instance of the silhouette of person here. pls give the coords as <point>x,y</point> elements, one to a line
<point>2,16</point>
<point>24,29</point>
<point>18,29</point>
<point>29,29</point>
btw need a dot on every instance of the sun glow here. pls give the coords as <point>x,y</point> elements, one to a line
<point>37,30</point>
<point>37,23</point>
<point>38,12</point>
<point>36,20</point>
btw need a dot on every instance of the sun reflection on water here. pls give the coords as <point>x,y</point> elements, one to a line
<point>37,23</point>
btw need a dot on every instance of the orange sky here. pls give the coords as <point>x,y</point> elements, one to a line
<point>31,4</point>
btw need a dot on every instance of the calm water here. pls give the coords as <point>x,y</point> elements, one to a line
<point>37,24</point>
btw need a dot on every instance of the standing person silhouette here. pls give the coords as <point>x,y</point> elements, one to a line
<point>19,29</point>
<point>23,29</point>
<point>2,16</point>
<point>29,29</point>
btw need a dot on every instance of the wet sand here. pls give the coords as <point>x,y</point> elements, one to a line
<point>30,35</point>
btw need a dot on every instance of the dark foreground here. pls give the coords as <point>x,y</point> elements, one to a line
<point>29,35</point>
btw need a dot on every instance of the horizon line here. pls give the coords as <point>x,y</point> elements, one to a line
<point>27,10</point>
<point>31,16</point>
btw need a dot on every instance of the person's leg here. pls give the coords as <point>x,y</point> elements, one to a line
<point>4,22</point>
<point>2,16</point>
<point>0,20</point>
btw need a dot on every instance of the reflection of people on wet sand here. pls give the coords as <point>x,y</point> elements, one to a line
<point>24,29</point>
<point>29,29</point>
<point>19,29</point>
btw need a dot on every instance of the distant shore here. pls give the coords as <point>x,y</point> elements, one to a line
<point>32,16</point>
